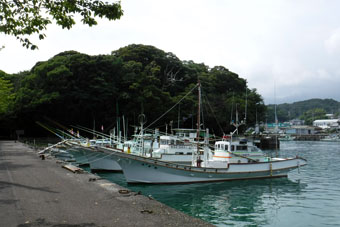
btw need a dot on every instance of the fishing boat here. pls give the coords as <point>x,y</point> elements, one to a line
<point>178,147</point>
<point>231,160</point>
<point>286,137</point>
<point>224,165</point>
<point>331,138</point>
<point>95,158</point>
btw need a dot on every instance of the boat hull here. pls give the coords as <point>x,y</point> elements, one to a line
<point>99,160</point>
<point>138,169</point>
<point>103,163</point>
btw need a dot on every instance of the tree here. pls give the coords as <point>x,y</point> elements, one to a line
<point>6,96</point>
<point>75,88</point>
<point>22,18</point>
<point>312,115</point>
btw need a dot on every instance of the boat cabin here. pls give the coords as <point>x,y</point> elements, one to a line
<point>237,152</point>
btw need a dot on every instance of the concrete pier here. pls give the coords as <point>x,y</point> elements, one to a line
<point>36,192</point>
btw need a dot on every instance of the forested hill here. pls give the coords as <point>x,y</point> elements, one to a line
<point>315,107</point>
<point>75,88</point>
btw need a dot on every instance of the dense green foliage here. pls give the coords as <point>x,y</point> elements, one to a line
<point>75,88</point>
<point>307,110</point>
<point>313,114</point>
<point>6,95</point>
<point>22,18</point>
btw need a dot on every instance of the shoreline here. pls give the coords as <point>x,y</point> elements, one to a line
<point>36,192</point>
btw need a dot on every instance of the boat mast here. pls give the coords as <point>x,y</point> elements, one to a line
<point>198,115</point>
<point>197,158</point>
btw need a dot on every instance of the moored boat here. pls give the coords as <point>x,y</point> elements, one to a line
<point>286,137</point>
<point>231,160</point>
<point>139,169</point>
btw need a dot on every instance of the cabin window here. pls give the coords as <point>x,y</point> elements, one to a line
<point>226,147</point>
<point>232,147</point>
<point>164,142</point>
<point>254,149</point>
<point>241,148</point>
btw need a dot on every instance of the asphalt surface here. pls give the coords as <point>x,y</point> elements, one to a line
<point>36,192</point>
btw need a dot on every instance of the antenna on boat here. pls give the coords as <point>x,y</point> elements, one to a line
<point>179,113</point>
<point>94,126</point>
<point>142,121</point>
<point>197,158</point>
<point>245,111</point>
<point>232,110</point>
<point>236,124</point>
<point>276,120</point>
<point>198,114</point>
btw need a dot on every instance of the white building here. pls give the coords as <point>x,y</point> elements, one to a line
<point>330,116</point>
<point>327,123</point>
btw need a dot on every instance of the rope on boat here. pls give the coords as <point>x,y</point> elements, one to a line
<point>101,158</point>
<point>212,111</point>
<point>96,154</point>
<point>172,107</point>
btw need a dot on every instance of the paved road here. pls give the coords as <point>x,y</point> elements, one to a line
<point>35,192</point>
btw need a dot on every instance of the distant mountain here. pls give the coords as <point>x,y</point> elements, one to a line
<point>286,111</point>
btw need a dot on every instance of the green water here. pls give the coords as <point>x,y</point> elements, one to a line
<point>309,197</point>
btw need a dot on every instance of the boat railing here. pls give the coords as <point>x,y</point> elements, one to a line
<point>156,162</point>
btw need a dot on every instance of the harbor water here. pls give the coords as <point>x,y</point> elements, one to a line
<point>309,196</point>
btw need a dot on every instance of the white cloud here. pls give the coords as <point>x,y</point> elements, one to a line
<point>332,44</point>
<point>295,43</point>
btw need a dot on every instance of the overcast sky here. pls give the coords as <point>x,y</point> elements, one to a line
<point>288,49</point>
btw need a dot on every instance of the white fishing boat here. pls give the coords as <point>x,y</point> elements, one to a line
<point>230,161</point>
<point>177,148</point>
<point>139,169</point>
<point>97,160</point>
<point>237,151</point>
<point>286,137</point>
<point>331,138</point>
<point>142,144</point>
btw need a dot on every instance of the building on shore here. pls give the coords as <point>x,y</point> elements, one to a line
<point>301,130</point>
<point>327,123</point>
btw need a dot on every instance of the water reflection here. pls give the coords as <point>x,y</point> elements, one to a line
<point>245,202</point>
<point>241,203</point>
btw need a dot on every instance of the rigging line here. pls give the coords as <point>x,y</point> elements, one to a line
<point>245,111</point>
<point>232,109</point>
<point>218,123</point>
<point>202,112</point>
<point>172,107</point>
<point>100,158</point>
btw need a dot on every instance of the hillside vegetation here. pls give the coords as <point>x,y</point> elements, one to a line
<point>307,110</point>
<point>75,88</point>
